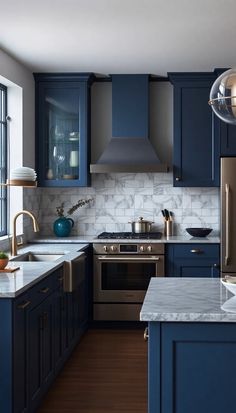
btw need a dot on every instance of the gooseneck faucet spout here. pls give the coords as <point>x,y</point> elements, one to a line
<point>14,239</point>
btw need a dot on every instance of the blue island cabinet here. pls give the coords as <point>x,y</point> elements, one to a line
<point>191,367</point>
<point>63,128</point>
<point>196,153</point>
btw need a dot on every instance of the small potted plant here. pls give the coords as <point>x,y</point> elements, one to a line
<point>3,260</point>
<point>63,225</point>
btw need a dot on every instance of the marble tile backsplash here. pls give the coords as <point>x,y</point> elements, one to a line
<point>122,197</point>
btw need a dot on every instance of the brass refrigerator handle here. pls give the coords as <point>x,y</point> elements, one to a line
<point>145,334</point>
<point>226,224</point>
<point>105,258</point>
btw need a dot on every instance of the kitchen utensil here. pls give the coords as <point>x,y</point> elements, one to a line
<point>167,215</point>
<point>141,225</point>
<point>199,232</point>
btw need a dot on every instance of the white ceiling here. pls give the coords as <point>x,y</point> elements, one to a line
<point>120,36</point>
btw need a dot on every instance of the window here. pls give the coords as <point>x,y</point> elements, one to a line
<point>3,159</point>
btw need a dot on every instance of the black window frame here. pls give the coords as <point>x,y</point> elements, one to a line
<point>3,160</point>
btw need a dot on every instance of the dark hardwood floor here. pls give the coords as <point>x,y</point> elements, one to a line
<point>107,372</point>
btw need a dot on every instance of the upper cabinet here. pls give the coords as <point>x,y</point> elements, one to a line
<point>196,145</point>
<point>63,128</point>
<point>225,131</point>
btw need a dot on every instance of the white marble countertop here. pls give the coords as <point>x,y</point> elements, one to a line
<point>188,300</point>
<point>29,273</point>
<point>86,239</point>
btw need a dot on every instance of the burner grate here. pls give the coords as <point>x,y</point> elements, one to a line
<point>130,235</point>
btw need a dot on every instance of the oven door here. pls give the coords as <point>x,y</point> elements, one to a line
<point>124,278</point>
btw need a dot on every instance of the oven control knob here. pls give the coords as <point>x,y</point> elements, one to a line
<point>141,248</point>
<point>113,248</point>
<point>149,248</point>
<point>106,249</point>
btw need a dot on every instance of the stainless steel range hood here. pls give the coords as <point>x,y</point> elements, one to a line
<point>129,149</point>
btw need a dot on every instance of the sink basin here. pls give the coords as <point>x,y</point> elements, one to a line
<point>30,256</point>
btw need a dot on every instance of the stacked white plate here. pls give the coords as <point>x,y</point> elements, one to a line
<point>23,173</point>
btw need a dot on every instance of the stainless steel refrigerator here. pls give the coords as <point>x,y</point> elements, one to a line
<point>228,216</point>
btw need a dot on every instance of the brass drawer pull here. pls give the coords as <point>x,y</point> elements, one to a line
<point>24,305</point>
<point>196,251</point>
<point>60,278</point>
<point>146,335</point>
<point>44,290</point>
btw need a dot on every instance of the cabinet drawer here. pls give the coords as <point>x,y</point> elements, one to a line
<point>196,251</point>
<point>42,290</point>
<point>58,277</point>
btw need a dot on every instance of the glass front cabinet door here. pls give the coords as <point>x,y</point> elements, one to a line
<point>63,129</point>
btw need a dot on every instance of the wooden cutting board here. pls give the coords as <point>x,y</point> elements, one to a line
<point>10,269</point>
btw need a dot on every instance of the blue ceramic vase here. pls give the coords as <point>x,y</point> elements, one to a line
<point>62,227</point>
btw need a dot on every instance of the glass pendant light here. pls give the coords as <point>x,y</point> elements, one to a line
<point>223,96</point>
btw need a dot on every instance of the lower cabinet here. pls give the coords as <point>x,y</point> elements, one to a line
<point>35,340</point>
<point>191,367</point>
<point>40,350</point>
<point>193,260</point>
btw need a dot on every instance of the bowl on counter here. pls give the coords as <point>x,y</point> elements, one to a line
<point>199,232</point>
<point>229,283</point>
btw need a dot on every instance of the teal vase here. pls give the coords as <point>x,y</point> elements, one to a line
<point>62,227</point>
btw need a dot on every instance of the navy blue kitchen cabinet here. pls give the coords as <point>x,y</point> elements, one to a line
<point>63,129</point>
<point>77,305</point>
<point>60,329</point>
<point>40,351</point>
<point>225,131</point>
<point>192,260</point>
<point>191,367</point>
<point>34,339</point>
<point>196,146</point>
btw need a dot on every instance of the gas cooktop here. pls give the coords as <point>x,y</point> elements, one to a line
<point>130,235</point>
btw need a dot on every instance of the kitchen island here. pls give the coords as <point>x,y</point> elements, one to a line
<point>191,345</point>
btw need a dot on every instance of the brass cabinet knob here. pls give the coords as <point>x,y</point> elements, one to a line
<point>178,178</point>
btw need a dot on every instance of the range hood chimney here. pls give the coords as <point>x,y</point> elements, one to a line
<point>129,149</point>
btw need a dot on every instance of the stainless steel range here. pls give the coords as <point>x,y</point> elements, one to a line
<point>122,271</point>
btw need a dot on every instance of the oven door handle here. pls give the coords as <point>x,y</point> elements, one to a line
<point>105,258</point>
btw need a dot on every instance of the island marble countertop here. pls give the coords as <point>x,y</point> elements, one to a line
<point>90,239</point>
<point>188,300</point>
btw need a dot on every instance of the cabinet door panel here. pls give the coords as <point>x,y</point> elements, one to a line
<point>47,341</point>
<point>21,307</point>
<point>198,365</point>
<point>34,353</point>
<point>227,139</point>
<point>193,269</point>
<point>196,148</point>
<point>62,129</point>
<point>60,328</point>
